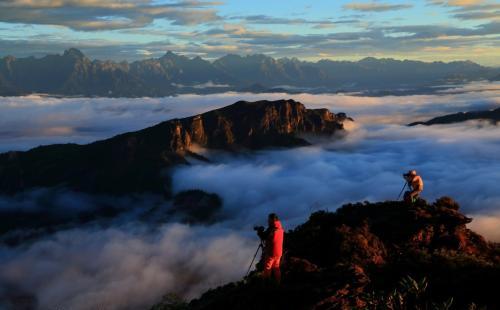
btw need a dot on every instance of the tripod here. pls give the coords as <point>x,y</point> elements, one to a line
<point>404,186</point>
<point>251,264</point>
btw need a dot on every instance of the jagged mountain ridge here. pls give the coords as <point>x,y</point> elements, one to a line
<point>135,161</point>
<point>492,116</point>
<point>358,256</point>
<point>75,74</point>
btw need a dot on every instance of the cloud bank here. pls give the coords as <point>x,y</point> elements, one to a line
<point>127,267</point>
<point>27,122</point>
<point>90,15</point>
<point>130,263</point>
<point>365,165</point>
<point>375,6</point>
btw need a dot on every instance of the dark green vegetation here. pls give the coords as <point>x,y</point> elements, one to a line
<point>374,256</point>
<point>74,74</point>
<point>492,116</point>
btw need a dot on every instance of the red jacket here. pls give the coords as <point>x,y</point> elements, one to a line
<point>274,241</point>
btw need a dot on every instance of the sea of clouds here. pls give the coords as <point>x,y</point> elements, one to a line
<point>128,264</point>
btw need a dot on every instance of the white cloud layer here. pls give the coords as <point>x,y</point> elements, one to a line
<point>26,122</point>
<point>123,268</point>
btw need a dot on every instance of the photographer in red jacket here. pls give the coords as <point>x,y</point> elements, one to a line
<point>273,247</point>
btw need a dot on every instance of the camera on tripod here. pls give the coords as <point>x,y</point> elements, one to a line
<point>259,229</point>
<point>261,232</point>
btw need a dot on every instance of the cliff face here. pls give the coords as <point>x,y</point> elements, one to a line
<point>254,125</point>
<point>134,161</point>
<point>374,256</point>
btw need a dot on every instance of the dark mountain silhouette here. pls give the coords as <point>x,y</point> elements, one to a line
<point>387,255</point>
<point>134,161</point>
<point>75,74</point>
<point>492,115</point>
<point>139,162</point>
<point>196,207</point>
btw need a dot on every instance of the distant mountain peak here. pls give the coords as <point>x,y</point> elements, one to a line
<point>380,60</point>
<point>230,56</point>
<point>368,59</point>
<point>172,55</point>
<point>74,52</point>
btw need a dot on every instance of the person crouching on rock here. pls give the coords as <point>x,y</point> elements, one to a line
<point>273,247</point>
<point>416,185</point>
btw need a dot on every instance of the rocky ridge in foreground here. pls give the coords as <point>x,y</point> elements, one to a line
<point>384,255</point>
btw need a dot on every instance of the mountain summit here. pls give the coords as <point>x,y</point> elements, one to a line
<point>135,161</point>
<point>73,52</point>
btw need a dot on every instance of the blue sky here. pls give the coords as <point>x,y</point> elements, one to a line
<point>426,30</point>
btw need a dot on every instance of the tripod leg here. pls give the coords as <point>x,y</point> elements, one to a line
<point>404,186</point>
<point>253,259</point>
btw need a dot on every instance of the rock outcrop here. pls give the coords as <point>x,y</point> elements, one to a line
<point>375,256</point>
<point>136,161</point>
